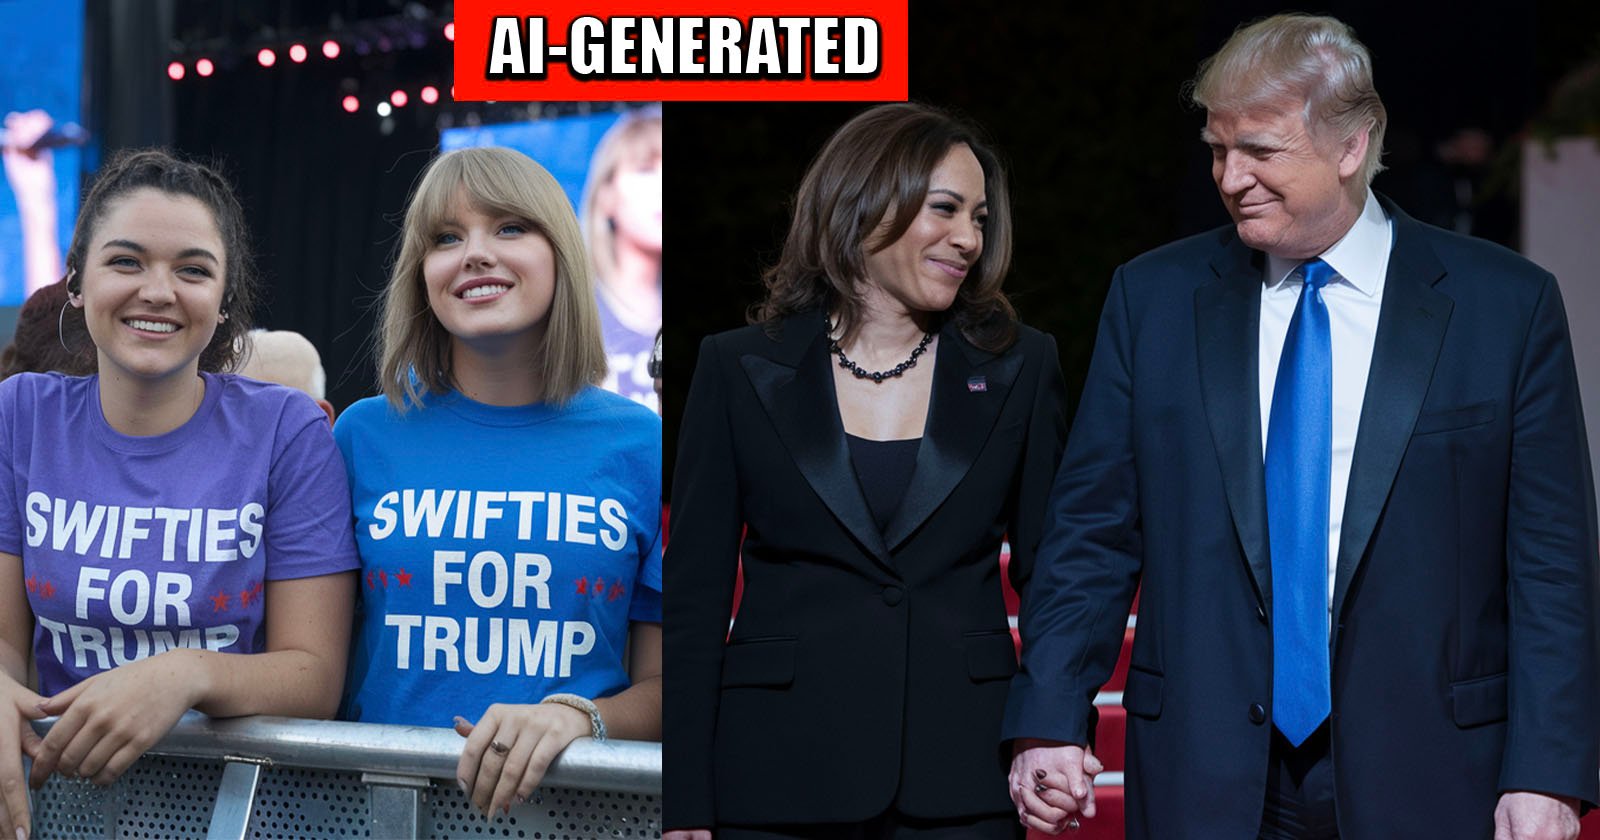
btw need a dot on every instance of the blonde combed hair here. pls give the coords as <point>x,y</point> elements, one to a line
<point>1317,59</point>
<point>634,139</point>
<point>414,347</point>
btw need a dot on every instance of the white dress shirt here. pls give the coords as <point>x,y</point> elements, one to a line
<point>1360,261</point>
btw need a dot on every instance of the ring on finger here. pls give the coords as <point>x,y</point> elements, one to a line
<point>499,748</point>
<point>1039,788</point>
<point>1072,824</point>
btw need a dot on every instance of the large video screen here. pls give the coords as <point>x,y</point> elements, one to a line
<point>41,92</point>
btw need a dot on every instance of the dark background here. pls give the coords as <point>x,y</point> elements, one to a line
<point>1084,102</point>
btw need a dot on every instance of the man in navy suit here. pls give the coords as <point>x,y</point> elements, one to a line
<point>1344,454</point>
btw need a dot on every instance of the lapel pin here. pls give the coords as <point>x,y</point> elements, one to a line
<point>977,384</point>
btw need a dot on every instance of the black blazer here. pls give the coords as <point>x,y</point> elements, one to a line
<point>866,669</point>
<point>1464,608</point>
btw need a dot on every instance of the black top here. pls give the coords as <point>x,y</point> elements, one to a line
<point>884,469</point>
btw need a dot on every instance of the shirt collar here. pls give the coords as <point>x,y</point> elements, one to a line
<point>1361,257</point>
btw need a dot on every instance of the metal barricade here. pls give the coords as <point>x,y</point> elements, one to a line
<point>268,777</point>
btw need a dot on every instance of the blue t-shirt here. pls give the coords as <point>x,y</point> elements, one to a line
<point>504,551</point>
<point>132,546</point>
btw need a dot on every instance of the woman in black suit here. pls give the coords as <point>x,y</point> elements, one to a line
<point>874,434</point>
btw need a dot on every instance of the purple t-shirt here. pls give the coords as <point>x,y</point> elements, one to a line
<point>627,359</point>
<point>132,546</point>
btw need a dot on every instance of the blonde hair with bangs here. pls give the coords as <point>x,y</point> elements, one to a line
<point>414,347</point>
<point>1317,59</point>
<point>634,139</point>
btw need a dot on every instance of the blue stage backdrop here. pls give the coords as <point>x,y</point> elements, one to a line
<point>41,68</point>
<point>562,145</point>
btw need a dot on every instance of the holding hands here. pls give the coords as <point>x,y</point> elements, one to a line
<point>1052,783</point>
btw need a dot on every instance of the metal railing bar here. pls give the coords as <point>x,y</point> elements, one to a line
<point>618,766</point>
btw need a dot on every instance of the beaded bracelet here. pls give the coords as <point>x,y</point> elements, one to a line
<point>582,704</point>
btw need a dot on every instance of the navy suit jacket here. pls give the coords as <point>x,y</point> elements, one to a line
<point>868,668</point>
<point>1464,641</point>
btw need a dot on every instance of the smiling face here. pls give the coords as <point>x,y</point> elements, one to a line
<point>1290,193</point>
<point>923,269</point>
<point>490,277</point>
<point>633,202</point>
<point>152,286</point>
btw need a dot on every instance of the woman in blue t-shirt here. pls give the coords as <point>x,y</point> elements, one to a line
<point>507,509</point>
<point>158,513</point>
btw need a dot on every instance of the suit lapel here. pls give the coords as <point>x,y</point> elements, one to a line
<point>970,387</point>
<point>1411,328</point>
<point>1227,331</point>
<point>795,386</point>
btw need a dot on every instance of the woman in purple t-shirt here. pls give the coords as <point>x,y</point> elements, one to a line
<point>158,514</point>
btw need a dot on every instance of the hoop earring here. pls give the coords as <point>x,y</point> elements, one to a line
<point>61,331</point>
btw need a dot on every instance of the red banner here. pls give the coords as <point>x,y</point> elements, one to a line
<point>673,50</point>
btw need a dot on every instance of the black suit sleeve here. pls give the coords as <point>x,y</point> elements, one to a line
<point>1047,429</point>
<point>701,565</point>
<point>1553,734</point>
<point>1075,607</point>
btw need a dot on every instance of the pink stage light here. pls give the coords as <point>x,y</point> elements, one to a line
<point>398,98</point>
<point>351,104</point>
<point>330,48</point>
<point>267,57</point>
<point>175,70</point>
<point>450,31</point>
<point>297,53</point>
<point>430,94</point>
<point>204,67</point>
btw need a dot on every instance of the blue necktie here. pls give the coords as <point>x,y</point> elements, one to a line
<point>1299,452</point>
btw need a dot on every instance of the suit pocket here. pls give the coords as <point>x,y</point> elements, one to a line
<point>991,655</point>
<point>1479,701</point>
<point>1455,419</point>
<point>759,662</point>
<point>1141,695</point>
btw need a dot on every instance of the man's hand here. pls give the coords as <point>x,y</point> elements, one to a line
<point>1052,783</point>
<point>1525,815</point>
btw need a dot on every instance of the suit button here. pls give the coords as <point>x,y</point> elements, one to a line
<point>1258,714</point>
<point>892,595</point>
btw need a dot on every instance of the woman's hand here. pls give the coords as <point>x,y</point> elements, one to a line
<point>511,747</point>
<point>18,705</point>
<point>110,719</point>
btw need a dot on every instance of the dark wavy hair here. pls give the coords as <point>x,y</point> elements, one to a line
<point>880,161</point>
<point>161,170</point>
<point>47,338</point>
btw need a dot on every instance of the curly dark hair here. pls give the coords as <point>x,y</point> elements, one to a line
<point>882,159</point>
<point>48,338</point>
<point>162,170</point>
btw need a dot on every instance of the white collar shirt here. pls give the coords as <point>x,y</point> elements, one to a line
<point>1360,260</point>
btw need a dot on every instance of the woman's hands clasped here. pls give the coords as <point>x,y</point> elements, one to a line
<point>108,720</point>
<point>509,749</point>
